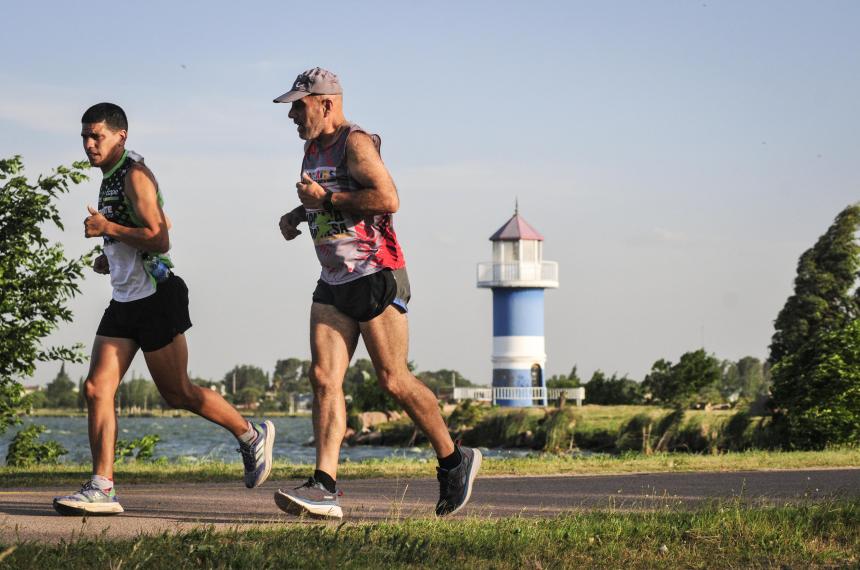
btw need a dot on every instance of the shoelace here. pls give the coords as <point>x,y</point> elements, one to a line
<point>248,455</point>
<point>444,483</point>
<point>311,482</point>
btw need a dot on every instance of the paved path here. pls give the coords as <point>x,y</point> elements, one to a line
<point>27,513</point>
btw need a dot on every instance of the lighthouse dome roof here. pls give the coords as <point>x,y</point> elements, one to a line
<point>515,229</point>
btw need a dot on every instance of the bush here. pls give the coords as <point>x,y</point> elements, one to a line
<point>466,415</point>
<point>515,429</point>
<point>558,428</point>
<point>594,439</point>
<point>25,450</point>
<point>734,436</point>
<point>145,447</point>
<point>636,434</point>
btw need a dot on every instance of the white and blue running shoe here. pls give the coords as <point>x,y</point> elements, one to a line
<point>257,456</point>
<point>90,500</point>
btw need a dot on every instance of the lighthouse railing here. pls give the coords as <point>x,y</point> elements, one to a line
<point>537,395</point>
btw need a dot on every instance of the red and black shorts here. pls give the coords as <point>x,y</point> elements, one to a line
<point>152,322</point>
<point>366,297</point>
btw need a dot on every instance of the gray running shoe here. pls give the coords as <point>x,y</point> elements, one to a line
<point>311,498</point>
<point>90,500</point>
<point>257,456</point>
<point>455,485</point>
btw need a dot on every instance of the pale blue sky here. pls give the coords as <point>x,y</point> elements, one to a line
<point>677,156</point>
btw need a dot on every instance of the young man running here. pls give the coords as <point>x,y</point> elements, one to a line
<point>348,198</point>
<point>149,310</point>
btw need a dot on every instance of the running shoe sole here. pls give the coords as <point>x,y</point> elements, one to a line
<point>76,508</point>
<point>298,507</point>
<point>267,451</point>
<point>476,466</point>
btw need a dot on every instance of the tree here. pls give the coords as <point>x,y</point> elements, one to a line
<point>82,394</point>
<point>291,376</point>
<point>440,381</point>
<point>60,392</point>
<point>612,391</point>
<point>753,377</point>
<point>138,392</point>
<point>245,376</point>
<point>678,384</point>
<point>817,389</point>
<point>572,380</point>
<point>822,299</point>
<point>814,352</point>
<point>36,278</point>
<point>249,395</point>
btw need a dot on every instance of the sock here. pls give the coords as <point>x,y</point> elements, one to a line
<point>249,436</point>
<point>452,461</point>
<point>326,480</point>
<point>102,483</point>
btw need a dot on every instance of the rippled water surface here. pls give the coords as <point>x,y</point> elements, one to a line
<point>193,438</point>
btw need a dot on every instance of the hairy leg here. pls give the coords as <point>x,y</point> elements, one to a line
<point>333,340</point>
<point>387,340</point>
<point>169,369</point>
<point>109,362</point>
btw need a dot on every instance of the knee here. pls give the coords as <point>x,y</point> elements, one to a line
<point>94,390</point>
<point>392,381</point>
<point>323,381</point>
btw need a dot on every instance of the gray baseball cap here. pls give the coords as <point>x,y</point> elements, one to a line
<point>316,81</point>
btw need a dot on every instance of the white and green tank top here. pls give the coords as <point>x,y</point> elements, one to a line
<point>128,275</point>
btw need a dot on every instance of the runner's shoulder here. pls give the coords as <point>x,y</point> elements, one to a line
<point>139,174</point>
<point>360,144</point>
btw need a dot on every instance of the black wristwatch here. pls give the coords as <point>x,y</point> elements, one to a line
<point>326,203</point>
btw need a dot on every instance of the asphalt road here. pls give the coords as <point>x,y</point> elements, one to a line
<point>27,514</point>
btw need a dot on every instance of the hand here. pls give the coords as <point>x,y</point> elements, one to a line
<point>95,225</point>
<point>289,225</point>
<point>101,265</point>
<point>310,193</point>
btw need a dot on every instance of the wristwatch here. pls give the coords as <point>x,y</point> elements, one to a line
<point>326,203</point>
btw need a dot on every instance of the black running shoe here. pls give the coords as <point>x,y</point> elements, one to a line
<point>455,485</point>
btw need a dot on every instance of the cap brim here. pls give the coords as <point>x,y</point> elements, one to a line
<point>290,96</point>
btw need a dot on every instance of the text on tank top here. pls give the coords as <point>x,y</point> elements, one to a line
<point>348,246</point>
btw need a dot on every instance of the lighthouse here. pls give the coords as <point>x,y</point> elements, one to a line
<point>518,276</point>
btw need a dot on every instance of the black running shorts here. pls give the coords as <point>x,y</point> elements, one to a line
<point>152,322</point>
<point>366,298</point>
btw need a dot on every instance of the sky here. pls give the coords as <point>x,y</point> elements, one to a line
<point>677,157</point>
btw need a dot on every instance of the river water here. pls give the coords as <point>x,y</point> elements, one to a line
<point>196,439</point>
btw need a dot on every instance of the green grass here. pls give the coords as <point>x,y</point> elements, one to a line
<point>543,464</point>
<point>722,535</point>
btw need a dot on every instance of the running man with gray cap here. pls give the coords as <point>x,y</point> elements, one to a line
<point>348,198</point>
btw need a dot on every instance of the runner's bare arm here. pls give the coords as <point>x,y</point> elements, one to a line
<point>141,192</point>
<point>378,196</point>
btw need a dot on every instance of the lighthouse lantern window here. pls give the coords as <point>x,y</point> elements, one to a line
<point>531,250</point>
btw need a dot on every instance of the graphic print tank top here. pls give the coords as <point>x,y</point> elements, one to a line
<point>348,246</point>
<point>128,276</point>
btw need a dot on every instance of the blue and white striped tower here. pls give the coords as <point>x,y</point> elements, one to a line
<point>518,276</point>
